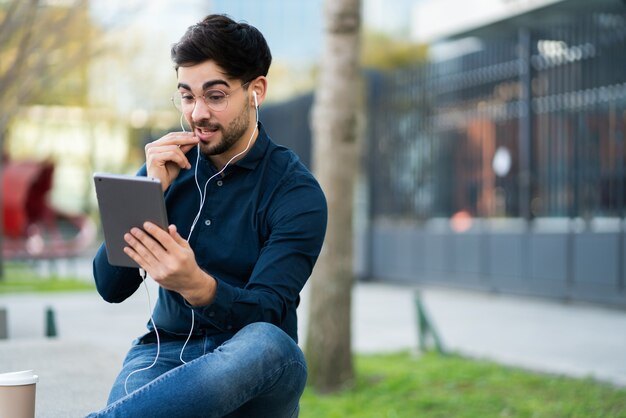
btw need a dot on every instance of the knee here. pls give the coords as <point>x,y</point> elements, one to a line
<point>273,342</point>
<point>279,351</point>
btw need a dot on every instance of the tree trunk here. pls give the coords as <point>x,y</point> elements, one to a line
<point>335,157</point>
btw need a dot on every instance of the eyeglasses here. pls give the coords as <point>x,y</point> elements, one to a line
<point>215,99</point>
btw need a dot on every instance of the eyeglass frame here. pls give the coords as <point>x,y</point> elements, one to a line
<point>203,96</point>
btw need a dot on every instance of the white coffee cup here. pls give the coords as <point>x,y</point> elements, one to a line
<point>17,394</point>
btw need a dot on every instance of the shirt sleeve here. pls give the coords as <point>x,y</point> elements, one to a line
<point>297,227</point>
<point>115,284</point>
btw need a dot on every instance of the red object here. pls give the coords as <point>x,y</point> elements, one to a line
<point>25,186</point>
<point>31,226</point>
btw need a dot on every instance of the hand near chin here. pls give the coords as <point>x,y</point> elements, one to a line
<point>165,157</point>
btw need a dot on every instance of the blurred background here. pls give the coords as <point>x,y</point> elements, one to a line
<point>493,152</point>
<point>85,84</point>
<point>492,179</point>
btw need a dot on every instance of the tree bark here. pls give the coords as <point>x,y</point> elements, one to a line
<point>335,157</point>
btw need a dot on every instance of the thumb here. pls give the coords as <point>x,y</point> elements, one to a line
<point>174,234</point>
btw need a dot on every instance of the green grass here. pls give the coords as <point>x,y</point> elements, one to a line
<point>20,278</point>
<point>435,386</point>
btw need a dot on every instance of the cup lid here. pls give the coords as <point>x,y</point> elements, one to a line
<point>24,377</point>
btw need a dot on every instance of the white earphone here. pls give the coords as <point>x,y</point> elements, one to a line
<point>256,103</point>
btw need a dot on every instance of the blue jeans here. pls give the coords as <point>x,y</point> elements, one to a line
<point>259,372</point>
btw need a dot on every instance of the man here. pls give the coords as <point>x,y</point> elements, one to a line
<point>247,224</point>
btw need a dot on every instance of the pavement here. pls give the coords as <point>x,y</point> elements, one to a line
<point>77,367</point>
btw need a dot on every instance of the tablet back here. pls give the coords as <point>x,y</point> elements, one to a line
<point>126,202</point>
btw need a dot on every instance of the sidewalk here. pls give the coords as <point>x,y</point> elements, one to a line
<point>77,368</point>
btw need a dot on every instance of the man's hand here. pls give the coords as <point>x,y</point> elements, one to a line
<point>165,157</point>
<point>170,261</point>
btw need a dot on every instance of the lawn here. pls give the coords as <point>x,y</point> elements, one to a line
<point>436,386</point>
<point>21,278</point>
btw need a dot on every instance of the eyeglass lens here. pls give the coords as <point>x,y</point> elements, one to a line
<point>214,99</point>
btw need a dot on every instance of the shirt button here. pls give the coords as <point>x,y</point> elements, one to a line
<point>211,314</point>
<point>220,183</point>
<point>207,222</point>
<point>229,327</point>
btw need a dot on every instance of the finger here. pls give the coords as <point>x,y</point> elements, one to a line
<point>146,246</point>
<point>174,138</point>
<point>177,237</point>
<point>186,148</point>
<point>135,250</point>
<point>159,235</point>
<point>136,258</point>
<point>166,154</point>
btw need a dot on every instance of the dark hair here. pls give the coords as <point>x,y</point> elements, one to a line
<point>238,48</point>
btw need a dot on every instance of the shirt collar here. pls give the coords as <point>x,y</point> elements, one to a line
<point>256,153</point>
<point>251,159</point>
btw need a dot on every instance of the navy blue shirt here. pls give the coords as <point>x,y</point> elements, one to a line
<point>259,235</point>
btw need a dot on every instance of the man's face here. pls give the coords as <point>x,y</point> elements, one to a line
<point>219,131</point>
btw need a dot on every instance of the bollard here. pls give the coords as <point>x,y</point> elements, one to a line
<point>426,327</point>
<point>4,324</point>
<point>51,329</point>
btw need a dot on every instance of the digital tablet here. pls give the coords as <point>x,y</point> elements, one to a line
<point>126,202</point>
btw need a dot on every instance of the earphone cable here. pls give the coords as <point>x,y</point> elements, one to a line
<point>202,200</point>
<point>143,275</point>
<point>203,194</point>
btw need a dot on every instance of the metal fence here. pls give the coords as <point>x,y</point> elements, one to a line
<point>501,170</point>
<point>529,126</point>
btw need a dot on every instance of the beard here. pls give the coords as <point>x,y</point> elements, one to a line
<point>230,135</point>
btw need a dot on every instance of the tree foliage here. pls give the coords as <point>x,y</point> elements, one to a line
<point>44,51</point>
<point>383,52</point>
